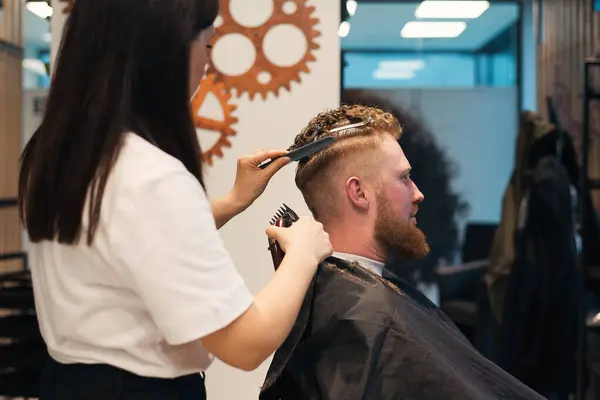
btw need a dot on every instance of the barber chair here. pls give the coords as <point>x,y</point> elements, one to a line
<point>463,292</point>
<point>22,349</point>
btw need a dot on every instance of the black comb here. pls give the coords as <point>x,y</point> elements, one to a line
<point>306,151</point>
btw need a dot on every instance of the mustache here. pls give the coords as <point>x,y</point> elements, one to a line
<point>415,210</point>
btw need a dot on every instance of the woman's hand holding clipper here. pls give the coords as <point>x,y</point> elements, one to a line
<point>255,335</point>
<point>304,240</point>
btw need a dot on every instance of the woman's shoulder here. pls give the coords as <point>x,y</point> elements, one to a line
<point>142,169</point>
<point>140,162</point>
<point>142,158</point>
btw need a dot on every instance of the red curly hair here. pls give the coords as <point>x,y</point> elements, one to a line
<point>316,177</point>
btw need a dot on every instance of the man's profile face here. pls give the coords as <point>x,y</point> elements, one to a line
<point>397,201</point>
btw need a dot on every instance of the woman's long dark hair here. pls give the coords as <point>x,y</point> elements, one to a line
<point>122,66</point>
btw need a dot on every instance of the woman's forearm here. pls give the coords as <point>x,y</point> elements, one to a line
<point>278,305</point>
<point>225,208</point>
<point>254,336</point>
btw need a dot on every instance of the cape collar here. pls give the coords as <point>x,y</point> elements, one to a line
<point>373,265</point>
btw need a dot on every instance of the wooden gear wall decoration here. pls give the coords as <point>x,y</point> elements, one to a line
<point>280,76</point>
<point>223,128</point>
<point>217,83</point>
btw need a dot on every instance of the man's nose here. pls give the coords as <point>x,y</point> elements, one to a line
<point>418,197</point>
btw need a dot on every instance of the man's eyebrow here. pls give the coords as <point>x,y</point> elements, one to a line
<point>406,171</point>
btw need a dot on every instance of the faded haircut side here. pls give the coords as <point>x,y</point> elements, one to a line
<point>354,148</point>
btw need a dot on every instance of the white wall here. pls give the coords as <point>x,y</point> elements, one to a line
<point>270,124</point>
<point>57,23</point>
<point>477,127</point>
<point>264,124</point>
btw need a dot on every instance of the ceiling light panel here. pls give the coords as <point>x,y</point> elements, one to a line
<point>39,8</point>
<point>459,9</point>
<point>433,29</point>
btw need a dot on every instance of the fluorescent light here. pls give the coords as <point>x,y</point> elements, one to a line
<point>34,65</point>
<point>344,29</point>
<point>398,69</point>
<point>351,6</point>
<point>400,74</point>
<point>433,29</point>
<point>40,8</point>
<point>451,9</point>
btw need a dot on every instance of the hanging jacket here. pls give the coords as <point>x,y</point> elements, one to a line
<point>502,253</point>
<point>538,336</point>
<point>536,140</point>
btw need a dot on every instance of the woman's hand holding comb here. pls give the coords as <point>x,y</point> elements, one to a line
<point>250,182</point>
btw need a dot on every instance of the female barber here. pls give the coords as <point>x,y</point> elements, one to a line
<point>135,291</point>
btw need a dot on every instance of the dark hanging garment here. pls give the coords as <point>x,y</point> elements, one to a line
<point>539,334</point>
<point>502,254</point>
<point>359,336</point>
<point>536,141</point>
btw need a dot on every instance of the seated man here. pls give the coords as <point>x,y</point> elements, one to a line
<point>358,335</point>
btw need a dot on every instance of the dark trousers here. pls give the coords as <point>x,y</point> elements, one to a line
<point>103,382</point>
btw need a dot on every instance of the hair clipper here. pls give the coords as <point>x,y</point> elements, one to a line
<point>284,218</point>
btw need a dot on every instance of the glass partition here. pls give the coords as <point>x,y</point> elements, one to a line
<point>449,70</point>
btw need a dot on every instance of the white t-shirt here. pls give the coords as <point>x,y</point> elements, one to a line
<point>156,277</point>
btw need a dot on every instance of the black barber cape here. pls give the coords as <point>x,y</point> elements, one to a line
<point>359,336</point>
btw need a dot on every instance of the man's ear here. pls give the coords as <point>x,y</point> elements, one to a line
<point>355,190</point>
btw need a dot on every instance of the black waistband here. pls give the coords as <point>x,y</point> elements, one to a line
<point>100,381</point>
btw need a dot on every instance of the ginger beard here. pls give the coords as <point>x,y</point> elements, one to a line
<point>398,236</point>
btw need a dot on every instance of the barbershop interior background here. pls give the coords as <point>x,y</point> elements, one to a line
<point>486,90</point>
